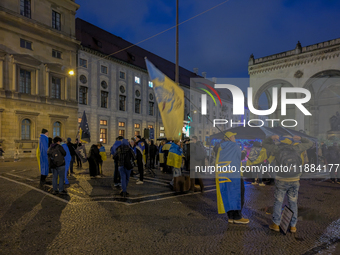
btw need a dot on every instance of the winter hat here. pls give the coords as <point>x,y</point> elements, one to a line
<point>44,131</point>
<point>69,139</point>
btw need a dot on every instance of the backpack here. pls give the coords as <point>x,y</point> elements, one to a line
<point>200,151</point>
<point>289,157</point>
<point>254,153</point>
<point>56,158</point>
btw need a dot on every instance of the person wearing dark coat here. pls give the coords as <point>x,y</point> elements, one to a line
<point>152,153</point>
<point>73,154</point>
<point>94,159</point>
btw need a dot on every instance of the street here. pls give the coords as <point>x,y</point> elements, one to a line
<point>94,219</point>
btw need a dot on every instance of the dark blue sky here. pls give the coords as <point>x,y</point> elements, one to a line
<point>220,41</point>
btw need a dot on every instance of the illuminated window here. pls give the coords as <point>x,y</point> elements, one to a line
<point>137,132</point>
<point>150,126</point>
<point>137,125</point>
<point>137,80</point>
<point>121,124</point>
<point>161,128</point>
<point>150,84</point>
<point>79,120</point>
<point>161,134</point>
<point>103,122</point>
<point>103,135</point>
<point>121,132</point>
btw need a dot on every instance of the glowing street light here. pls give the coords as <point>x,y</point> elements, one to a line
<point>71,72</point>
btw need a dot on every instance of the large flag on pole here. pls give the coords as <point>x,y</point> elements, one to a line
<point>84,131</point>
<point>170,99</point>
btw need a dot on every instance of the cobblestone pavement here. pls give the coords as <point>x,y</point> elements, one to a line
<point>93,219</point>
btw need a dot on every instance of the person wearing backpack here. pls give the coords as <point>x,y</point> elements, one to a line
<point>124,156</point>
<point>56,155</point>
<point>256,158</point>
<point>333,157</point>
<point>287,153</point>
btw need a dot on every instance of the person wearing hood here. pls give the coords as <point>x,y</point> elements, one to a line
<point>124,155</point>
<point>42,157</point>
<point>56,154</point>
<point>94,160</point>
<point>229,184</point>
<point>68,160</point>
<point>116,175</point>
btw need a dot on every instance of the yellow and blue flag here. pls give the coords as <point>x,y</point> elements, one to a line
<point>175,156</point>
<point>41,154</point>
<point>228,184</point>
<point>84,131</point>
<point>170,99</point>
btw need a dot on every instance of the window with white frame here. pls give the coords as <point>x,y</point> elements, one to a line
<point>56,54</point>
<point>25,44</point>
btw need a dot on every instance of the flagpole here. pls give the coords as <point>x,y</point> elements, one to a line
<point>177,68</point>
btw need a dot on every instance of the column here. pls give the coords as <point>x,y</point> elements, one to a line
<point>47,81</point>
<point>14,74</point>
<point>1,74</point>
<point>65,87</point>
<point>37,81</point>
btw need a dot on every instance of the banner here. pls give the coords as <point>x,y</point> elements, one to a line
<point>84,131</point>
<point>170,99</point>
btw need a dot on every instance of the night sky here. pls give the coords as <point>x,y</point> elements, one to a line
<point>220,41</point>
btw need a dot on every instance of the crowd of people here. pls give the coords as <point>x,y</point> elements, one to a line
<point>176,156</point>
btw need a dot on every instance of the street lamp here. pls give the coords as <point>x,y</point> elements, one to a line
<point>71,72</point>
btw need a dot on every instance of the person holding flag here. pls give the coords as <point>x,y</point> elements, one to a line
<point>229,185</point>
<point>140,146</point>
<point>84,131</point>
<point>175,159</point>
<point>42,157</point>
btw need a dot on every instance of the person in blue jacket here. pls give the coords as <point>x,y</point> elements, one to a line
<point>68,158</point>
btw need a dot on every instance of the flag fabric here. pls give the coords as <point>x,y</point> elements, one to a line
<point>228,184</point>
<point>170,100</point>
<point>84,131</point>
<point>81,152</point>
<point>41,154</point>
<point>175,156</point>
<point>67,161</point>
<point>141,147</point>
<point>115,146</point>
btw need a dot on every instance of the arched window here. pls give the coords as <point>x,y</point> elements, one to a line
<point>26,129</point>
<point>56,128</point>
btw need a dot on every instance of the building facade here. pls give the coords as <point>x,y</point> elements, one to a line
<point>38,48</point>
<point>315,68</point>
